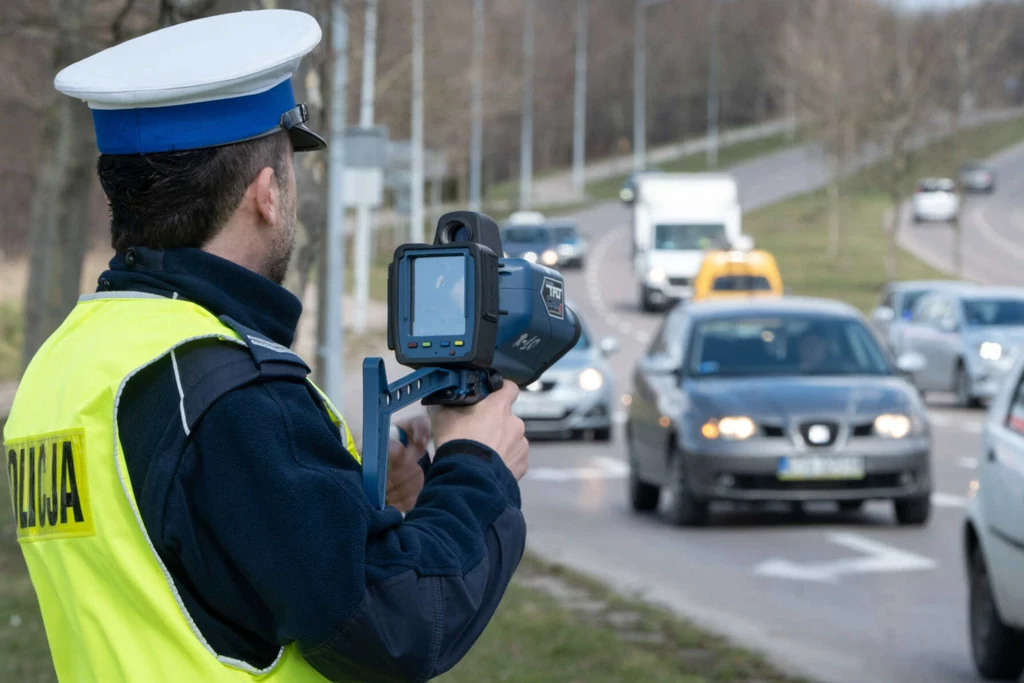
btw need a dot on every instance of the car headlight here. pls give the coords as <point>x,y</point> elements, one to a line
<point>549,257</point>
<point>626,194</point>
<point>656,275</point>
<point>990,350</point>
<point>591,379</point>
<point>530,256</point>
<point>892,425</point>
<point>734,428</point>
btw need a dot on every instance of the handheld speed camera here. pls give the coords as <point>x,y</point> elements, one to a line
<point>466,319</point>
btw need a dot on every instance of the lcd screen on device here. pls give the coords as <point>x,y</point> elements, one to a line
<point>438,296</point>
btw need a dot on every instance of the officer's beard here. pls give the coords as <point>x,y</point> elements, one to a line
<point>276,267</point>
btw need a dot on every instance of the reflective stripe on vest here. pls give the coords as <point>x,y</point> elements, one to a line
<point>111,610</point>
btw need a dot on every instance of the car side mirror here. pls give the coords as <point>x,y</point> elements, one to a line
<point>743,243</point>
<point>883,314</point>
<point>911,363</point>
<point>658,364</point>
<point>608,346</point>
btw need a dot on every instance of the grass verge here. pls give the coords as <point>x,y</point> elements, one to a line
<point>794,230</point>
<point>578,632</point>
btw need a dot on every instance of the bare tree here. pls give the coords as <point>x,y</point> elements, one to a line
<point>829,51</point>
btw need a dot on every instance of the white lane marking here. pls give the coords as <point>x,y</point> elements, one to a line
<point>969,463</point>
<point>874,558</point>
<point>642,336</point>
<point>951,422</point>
<point>601,467</point>
<point>620,417</point>
<point>948,500</point>
<point>1004,244</point>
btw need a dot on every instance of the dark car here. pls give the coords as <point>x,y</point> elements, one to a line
<point>535,243</point>
<point>775,400</point>
<point>977,177</point>
<point>570,246</point>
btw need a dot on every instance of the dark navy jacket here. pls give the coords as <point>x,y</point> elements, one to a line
<point>259,515</point>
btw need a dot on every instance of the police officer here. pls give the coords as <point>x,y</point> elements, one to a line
<point>189,504</point>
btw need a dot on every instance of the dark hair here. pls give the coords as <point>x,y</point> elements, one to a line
<point>182,199</point>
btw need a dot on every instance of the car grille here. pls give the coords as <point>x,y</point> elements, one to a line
<point>679,281</point>
<point>772,431</point>
<point>541,386</point>
<point>866,429</point>
<point>769,482</point>
<point>833,432</point>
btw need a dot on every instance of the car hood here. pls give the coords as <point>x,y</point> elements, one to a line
<point>785,398</point>
<point>523,247</point>
<point>1009,336</point>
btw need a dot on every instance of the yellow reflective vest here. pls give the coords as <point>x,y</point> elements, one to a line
<point>110,608</point>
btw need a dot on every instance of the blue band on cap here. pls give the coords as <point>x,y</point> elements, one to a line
<point>191,126</point>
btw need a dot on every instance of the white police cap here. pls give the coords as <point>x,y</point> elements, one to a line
<point>202,83</point>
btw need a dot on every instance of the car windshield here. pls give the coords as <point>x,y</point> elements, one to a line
<point>978,312</point>
<point>792,345</point>
<point>741,283</point>
<point>936,186</point>
<point>526,234</point>
<point>584,340</point>
<point>910,300</point>
<point>565,234</point>
<point>689,236</point>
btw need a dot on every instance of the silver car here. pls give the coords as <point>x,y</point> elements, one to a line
<point>977,177</point>
<point>969,339</point>
<point>575,397</point>
<point>775,400</point>
<point>896,307</point>
<point>569,244</point>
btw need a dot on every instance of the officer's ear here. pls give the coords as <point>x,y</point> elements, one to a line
<point>266,193</point>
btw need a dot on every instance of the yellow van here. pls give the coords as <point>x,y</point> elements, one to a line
<point>732,274</point>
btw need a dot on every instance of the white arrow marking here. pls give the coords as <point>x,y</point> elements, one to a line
<point>968,462</point>
<point>877,558</point>
<point>603,468</point>
<point>948,500</point>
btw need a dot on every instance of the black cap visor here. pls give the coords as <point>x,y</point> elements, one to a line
<point>303,139</point>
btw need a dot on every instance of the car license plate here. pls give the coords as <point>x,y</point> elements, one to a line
<point>538,410</point>
<point>821,467</point>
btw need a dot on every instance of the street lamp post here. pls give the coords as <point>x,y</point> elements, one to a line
<point>579,123</point>
<point>476,135</point>
<point>363,217</point>
<point>639,83</point>
<point>526,132</point>
<point>713,84</point>
<point>416,162</point>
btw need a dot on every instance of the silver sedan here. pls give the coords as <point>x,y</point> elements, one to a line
<point>575,397</point>
<point>969,339</point>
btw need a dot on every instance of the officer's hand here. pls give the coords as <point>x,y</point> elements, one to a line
<point>405,476</point>
<point>490,422</point>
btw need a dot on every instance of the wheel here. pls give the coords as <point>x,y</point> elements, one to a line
<point>645,301</point>
<point>851,505</point>
<point>685,509</point>
<point>643,497</point>
<point>603,434</point>
<point>997,649</point>
<point>917,219</point>
<point>913,511</point>
<point>964,399</point>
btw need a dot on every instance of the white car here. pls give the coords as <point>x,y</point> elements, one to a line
<point>935,200</point>
<point>993,539</point>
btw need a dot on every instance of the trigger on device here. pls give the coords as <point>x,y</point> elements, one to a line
<point>398,434</point>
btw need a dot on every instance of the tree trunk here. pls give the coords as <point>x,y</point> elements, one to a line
<point>892,231</point>
<point>834,207</point>
<point>60,202</point>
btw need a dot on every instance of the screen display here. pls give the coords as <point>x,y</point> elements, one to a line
<point>438,296</point>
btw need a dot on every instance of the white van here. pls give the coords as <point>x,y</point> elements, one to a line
<point>677,217</point>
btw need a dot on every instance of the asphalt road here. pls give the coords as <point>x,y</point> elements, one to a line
<point>844,598</point>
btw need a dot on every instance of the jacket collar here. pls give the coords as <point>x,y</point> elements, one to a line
<point>216,284</point>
